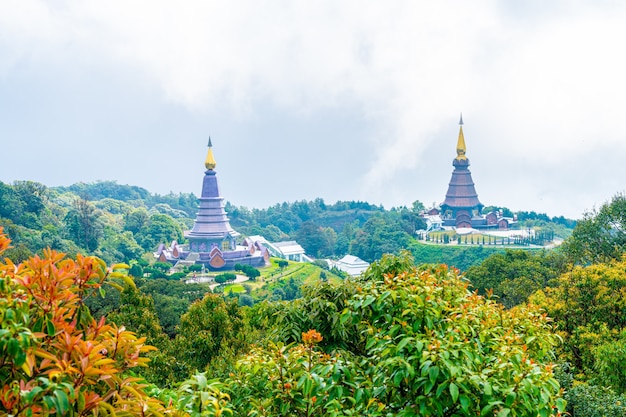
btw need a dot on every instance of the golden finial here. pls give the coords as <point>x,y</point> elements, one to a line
<point>460,144</point>
<point>209,162</point>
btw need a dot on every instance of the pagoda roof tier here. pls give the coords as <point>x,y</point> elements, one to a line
<point>211,220</point>
<point>461,191</point>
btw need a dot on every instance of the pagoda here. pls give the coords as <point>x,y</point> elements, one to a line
<point>461,207</point>
<point>212,241</point>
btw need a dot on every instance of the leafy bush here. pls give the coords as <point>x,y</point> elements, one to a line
<point>162,266</point>
<point>246,300</point>
<point>595,401</point>
<point>56,359</point>
<point>225,277</point>
<point>250,271</point>
<point>136,271</point>
<point>400,341</point>
<point>177,276</point>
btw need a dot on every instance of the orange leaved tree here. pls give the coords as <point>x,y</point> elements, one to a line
<point>54,357</point>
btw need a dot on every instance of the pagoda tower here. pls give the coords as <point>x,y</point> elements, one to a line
<point>212,242</point>
<point>211,228</point>
<point>461,204</point>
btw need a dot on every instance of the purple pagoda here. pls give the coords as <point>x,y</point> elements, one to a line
<point>212,241</point>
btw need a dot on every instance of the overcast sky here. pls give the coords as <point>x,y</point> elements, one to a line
<point>343,100</point>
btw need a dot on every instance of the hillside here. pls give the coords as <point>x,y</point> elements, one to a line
<point>123,223</point>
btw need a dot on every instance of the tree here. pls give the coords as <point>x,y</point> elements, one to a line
<point>401,340</point>
<point>161,228</point>
<point>601,235</point>
<point>83,224</point>
<point>587,304</point>
<point>273,233</point>
<point>136,270</point>
<point>126,244</point>
<point>11,205</point>
<point>417,207</point>
<point>314,239</point>
<point>136,312</point>
<point>225,277</point>
<point>250,271</point>
<point>246,300</point>
<point>33,194</point>
<point>514,275</point>
<point>380,234</point>
<point>213,330</point>
<point>136,220</point>
<point>56,359</point>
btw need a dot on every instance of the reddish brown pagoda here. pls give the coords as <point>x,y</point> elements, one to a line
<point>461,205</point>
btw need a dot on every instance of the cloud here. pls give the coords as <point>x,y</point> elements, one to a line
<point>536,82</point>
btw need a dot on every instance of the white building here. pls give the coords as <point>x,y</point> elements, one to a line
<point>352,265</point>
<point>289,250</point>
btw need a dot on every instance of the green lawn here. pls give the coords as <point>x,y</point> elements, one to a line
<point>234,288</point>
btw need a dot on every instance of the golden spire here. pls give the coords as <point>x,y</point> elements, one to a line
<point>460,144</point>
<point>209,162</point>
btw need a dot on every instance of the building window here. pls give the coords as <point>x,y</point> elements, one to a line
<point>225,245</point>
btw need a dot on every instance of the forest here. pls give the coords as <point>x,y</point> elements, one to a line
<point>509,333</point>
<point>122,223</point>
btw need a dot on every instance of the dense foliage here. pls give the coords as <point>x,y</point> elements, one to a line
<point>366,346</point>
<point>514,275</point>
<point>601,235</point>
<point>401,340</point>
<point>581,286</point>
<point>122,223</point>
<point>54,357</point>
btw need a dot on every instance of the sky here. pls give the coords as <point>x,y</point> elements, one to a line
<point>341,100</point>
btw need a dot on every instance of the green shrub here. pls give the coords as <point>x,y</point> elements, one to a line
<point>225,277</point>
<point>595,401</point>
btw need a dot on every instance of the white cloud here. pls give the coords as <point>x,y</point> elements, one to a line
<point>536,82</point>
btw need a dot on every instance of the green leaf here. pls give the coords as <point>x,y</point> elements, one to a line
<point>504,412</point>
<point>441,388</point>
<point>62,402</point>
<point>201,379</point>
<point>50,329</point>
<point>20,358</point>
<point>81,401</point>
<point>404,342</point>
<point>368,300</point>
<point>510,399</point>
<point>429,386</point>
<point>454,391</point>
<point>14,346</point>
<point>487,409</point>
<point>398,377</point>
<point>465,402</point>
<point>433,373</point>
<point>561,404</point>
